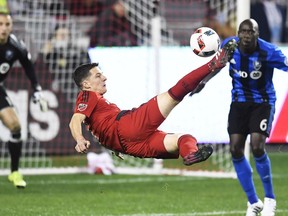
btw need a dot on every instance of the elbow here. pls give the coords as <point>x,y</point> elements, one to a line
<point>76,120</point>
<point>71,124</point>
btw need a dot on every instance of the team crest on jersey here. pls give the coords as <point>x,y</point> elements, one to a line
<point>8,54</point>
<point>4,68</point>
<point>82,107</point>
<point>257,65</point>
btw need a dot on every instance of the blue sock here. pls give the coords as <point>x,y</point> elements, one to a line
<point>263,167</point>
<point>244,174</point>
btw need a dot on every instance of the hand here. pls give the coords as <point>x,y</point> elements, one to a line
<point>38,98</point>
<point>43,105</point>
<point>37,95</point>
<point>82,145</point>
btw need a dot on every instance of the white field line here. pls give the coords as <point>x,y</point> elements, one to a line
<point>121,170</point>
<point>114,181</point>
<point>201,213</point>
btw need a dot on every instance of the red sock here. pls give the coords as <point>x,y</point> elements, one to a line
<point>189,82</point>
<point>186,145</point>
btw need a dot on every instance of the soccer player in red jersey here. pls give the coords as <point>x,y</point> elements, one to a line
<point>135,132</point>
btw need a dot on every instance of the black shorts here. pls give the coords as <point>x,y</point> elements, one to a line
<point>4,99</point>
<point>246,118</point>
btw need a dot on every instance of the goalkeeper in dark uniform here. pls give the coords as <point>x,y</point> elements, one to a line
<point>11,50</point>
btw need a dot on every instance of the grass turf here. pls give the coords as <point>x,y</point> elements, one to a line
<point>89,195</point>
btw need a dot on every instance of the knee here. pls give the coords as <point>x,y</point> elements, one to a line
<point>15,128</point>
<point>257,150</point>
<point>236,151</point>
<point>16,137</point>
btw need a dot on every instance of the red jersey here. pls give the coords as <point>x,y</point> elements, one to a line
<point>100,117</point>
<point>135,133</point>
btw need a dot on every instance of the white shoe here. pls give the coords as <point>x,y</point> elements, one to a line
<point>269,207</point>
<point>254,209</point>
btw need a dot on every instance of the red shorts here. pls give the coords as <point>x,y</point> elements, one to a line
<point>139,134</point>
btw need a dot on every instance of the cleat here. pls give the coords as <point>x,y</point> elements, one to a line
<point>219,61</point>
<point>223,56</point>
<point>17,179</point>
<point>269,207</point>
<point>202,154</point>
<point>254,209</point>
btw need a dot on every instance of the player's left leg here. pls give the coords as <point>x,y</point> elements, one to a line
<point>263,112</point>
<point>243,168</point>
<point>263,167</point>
<point>238,130</point>
<point>9,118</point>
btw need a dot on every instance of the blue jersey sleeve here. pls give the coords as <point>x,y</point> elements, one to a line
<point>228,39</point>
<point>279,60</point>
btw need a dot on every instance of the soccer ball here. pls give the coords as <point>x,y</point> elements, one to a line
<point>204,42</point>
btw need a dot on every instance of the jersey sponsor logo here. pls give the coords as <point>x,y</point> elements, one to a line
<point>242,74</point>
<point>4,68</point>
<point>82,107</point>
<point>255,75</point>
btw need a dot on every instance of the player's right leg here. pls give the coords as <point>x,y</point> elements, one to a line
<point>9,118</point>
<point>237,129</point>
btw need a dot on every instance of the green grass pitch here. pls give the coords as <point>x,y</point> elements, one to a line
<point>132,195</point>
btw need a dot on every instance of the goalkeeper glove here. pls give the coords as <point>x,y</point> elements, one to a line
<point>37,97</point>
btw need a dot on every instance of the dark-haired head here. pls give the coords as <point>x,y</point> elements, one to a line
<point>82,72</point>
<point>6,26</point>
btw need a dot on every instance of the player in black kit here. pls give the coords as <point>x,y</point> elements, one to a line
<point>11,50</point>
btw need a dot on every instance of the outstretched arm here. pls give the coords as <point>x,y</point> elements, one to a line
<point>76,131</point>
<point>28,65</point>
